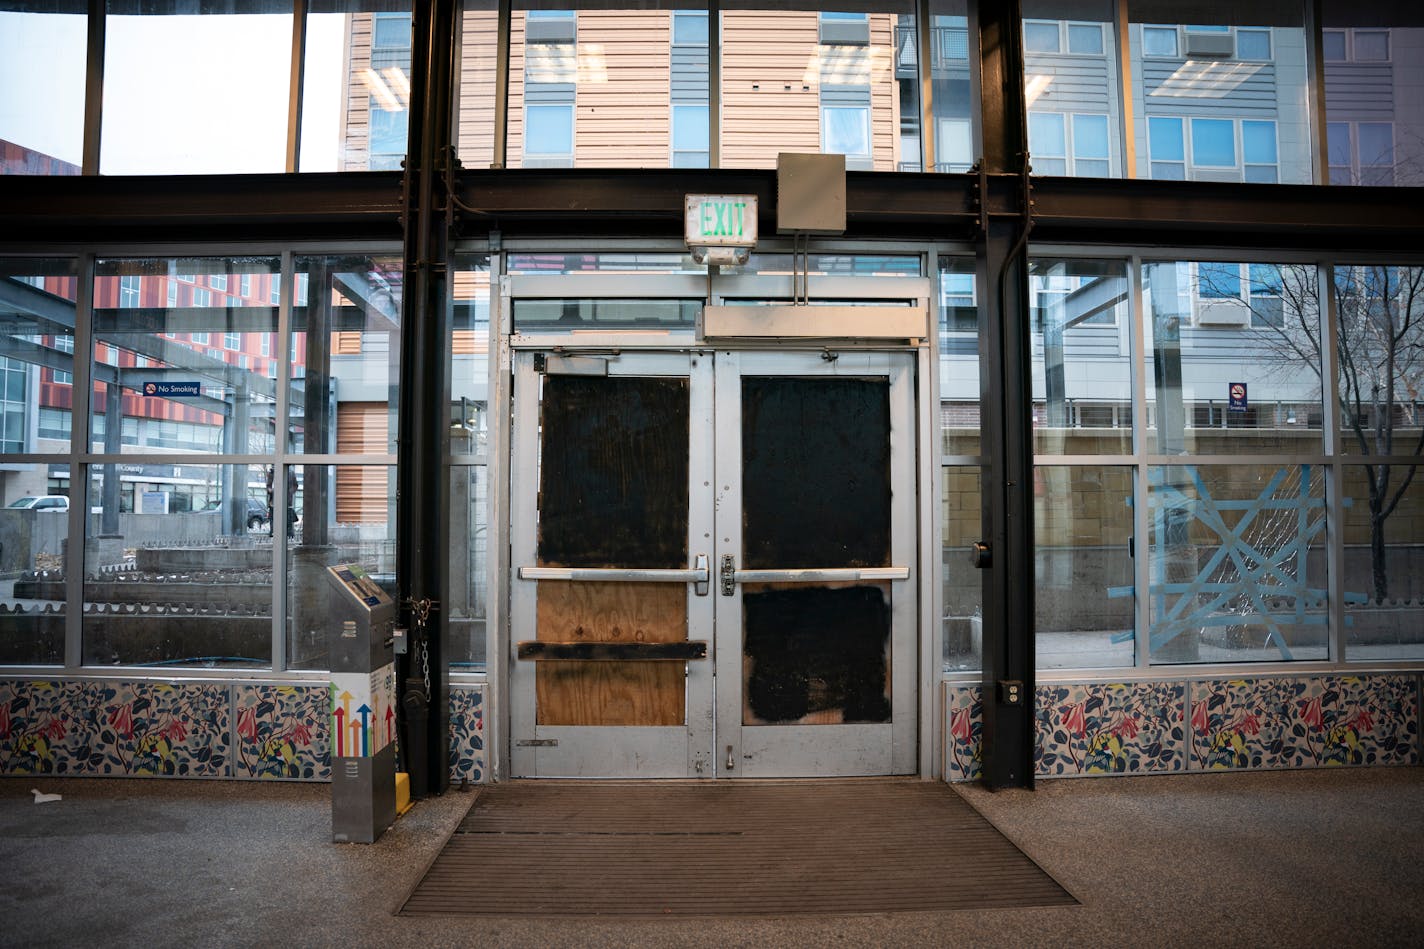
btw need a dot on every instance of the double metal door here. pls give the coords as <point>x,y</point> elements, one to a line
<point>713,565</point>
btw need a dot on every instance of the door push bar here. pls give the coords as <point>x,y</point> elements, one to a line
<point>730,576</point>
<point>700,574</point>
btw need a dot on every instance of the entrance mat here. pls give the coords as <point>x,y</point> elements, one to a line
<point>725,848</point>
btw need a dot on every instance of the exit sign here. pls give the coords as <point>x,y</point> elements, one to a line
<point>721,220</point>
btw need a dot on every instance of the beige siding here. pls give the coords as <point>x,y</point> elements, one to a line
<point>362,491</point>
<point>884,94</point>
<point>356,116</point>
<point>475,132</point>
<point>770,87</point>
<point>625,62</point>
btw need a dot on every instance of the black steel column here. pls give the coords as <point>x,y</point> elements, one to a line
<point>421,485</point>
<point>1006,399</point>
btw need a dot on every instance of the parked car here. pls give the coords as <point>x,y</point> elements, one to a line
<point>53,503</point>
<point>257,515</point>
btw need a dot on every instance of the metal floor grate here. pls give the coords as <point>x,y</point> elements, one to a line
<point>569,848</point>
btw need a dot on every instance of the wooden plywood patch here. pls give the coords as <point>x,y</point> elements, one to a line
<point>611,693</point>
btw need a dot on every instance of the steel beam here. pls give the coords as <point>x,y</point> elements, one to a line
<point>1008,583</point>
<point>648,202</point>
<point>422,487</point>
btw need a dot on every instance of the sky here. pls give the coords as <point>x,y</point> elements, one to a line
<point>182,94</point>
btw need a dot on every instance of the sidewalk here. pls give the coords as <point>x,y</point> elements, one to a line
<point>1319,858</point>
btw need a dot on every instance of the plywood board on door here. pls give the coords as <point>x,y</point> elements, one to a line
<point>611,693</point>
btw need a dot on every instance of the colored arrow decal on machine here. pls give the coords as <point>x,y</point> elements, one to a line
<point>340,714</point>
<point>365,711</point>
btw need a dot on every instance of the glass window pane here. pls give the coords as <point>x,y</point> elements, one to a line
<point>336,514</point>
<point>582,84</point>
<point>1074,80</point>
<point>1364,89</point>
<point>1046,137</point>
<point>1376,143</point>
<point>1040,37</point>
<point>1166,139</point>
<point>954,100</point>
<point>1230,372</point>
<point>1238,563</point>
<point>782,86</point>
<point>1082,356</point>
<point>1253,44</point>
<point>42,131</point>
<point>1085,38</point>
<point>1384,571</point>
<point>164,370</point>
<point>469,547</point>
<point>345,341</point>
<point>958,357</point>
<point>182,69</point>
<point>689,26</point>
<point>689,128</point>
<point>1371,46</point>
<point>36,368</point>
<point>1334,43</point>
<point>1379,311</point>
<point>1090,136</point>
<point>549,130</point>
<point>1213,142</point>
<point>1245,63</point>
<point>846,131</point>
<point>164,537</point>
<point>1082,522</point>
<point>356,87</point>
<point>1159,41</point>
<point>1258,142</point>
<point>474,118</point>
<point>963,618</point>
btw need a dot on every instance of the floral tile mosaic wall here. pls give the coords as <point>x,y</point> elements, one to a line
<point>1204,725</point>
<point>1305,723</point>
<point>467,736</point>
<point>281,732</point>
<point>1110,728</point>
<point>247,730</point>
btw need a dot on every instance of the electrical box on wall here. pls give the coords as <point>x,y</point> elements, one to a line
<point>810,194</point>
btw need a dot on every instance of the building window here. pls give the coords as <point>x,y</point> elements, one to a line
<point>1360,152</point>
<point>689,28</point>
<point>217,281</point>
<point>1213,143</point>
<point>202,297</point>
<point>1370,46</point>
<point>171,294</point>
<point>691,141</point>
<point>232,341</point>
<point>244,285</point>
<point>1159,41</point>
<point>1074,144</point>
<point>845,130</point>
<point>1258,151</point>
<point>954,144</point>
<point>1041,36</point>
<point>1166,148</point>
<point>549,135</point>
<point>129,292</point>
<point>1059,36</point>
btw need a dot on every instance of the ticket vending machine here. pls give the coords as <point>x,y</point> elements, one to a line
<point>363,706</point>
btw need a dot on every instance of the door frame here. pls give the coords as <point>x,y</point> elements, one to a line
<point>653,285</point>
